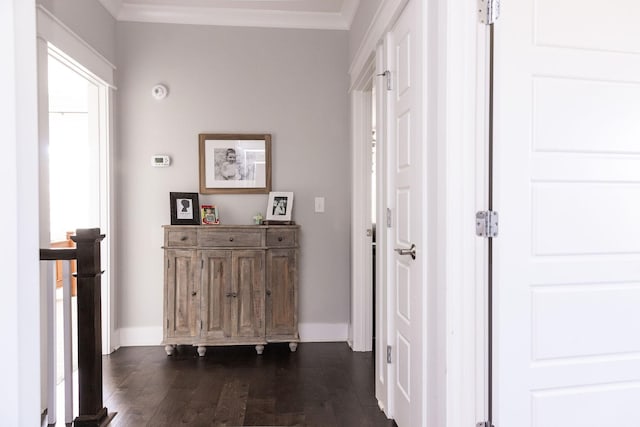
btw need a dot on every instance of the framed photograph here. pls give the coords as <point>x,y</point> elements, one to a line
<point>280,206</point>
<point>235,163</point>
<point>210,214</point>
<point>185,208</point>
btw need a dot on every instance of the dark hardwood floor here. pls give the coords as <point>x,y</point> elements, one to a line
<point>322,384</point>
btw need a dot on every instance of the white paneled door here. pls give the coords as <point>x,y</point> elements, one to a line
<point>567,188</point>
<point>405,171</point>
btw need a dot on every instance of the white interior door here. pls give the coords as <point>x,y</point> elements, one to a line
<point>405,171</point>
<point>567,260</point>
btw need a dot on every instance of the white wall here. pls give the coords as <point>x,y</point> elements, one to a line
<point>290,83</point>
<point>19,361</point>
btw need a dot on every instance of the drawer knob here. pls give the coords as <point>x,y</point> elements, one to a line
<point>194,293</point>
<point>231,239</point>
<point>268,292</point>
<point>183,238</point>
<point>280,239</point>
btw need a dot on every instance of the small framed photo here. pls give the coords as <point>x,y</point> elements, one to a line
<point>210,214</point>
<point>280,206</point>
<point>185,208</point>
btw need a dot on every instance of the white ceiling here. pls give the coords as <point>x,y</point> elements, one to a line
<point>313,14</point>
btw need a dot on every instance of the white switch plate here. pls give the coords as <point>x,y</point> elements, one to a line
<point>319,204</point>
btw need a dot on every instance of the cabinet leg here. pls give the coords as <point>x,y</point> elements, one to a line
<point>169,349</point>
<point>202,350</point>
<point>293,346</point>
<point>259,349</point>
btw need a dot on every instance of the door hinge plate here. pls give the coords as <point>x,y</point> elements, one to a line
<point>389,218</point>
<point>488,11</point>
<point>388,354</point>
<point>487,224</point>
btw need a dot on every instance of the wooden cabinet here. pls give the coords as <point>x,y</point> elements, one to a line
<point>227,285</point>
<point>181,299</point>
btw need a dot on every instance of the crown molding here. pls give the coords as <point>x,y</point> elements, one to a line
<point>112,6</point>
<point>349,9</point>
<point>123,11</point>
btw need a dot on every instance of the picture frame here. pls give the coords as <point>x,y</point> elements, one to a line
<point>209,214</point>
<point>185,208</point>
<point>280,206</point>
<point>234,163</point>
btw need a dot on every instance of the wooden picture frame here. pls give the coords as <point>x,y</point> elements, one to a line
<point>280,206</point>
<point>235,163</point>
<point>185,208</point>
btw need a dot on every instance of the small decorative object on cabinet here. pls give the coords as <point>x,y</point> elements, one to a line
<point>230,285</point>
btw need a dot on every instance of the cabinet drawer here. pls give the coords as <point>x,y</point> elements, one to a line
<point>179,238</point>
<point>283,238</point>
<point>233,238</point>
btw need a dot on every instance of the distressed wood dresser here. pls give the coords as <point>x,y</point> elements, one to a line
<point>230,285</point>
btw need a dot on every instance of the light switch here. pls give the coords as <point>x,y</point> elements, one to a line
<point>319,204</point>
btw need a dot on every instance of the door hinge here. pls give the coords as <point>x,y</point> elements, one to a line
<point>484,424</point>
<point>488,11</point>
<point>388,218</point>
<point>201,325</point>
<point>167,323</point>
<point>387,76</point>
<point>487,224</point>
<point>168,264</point>
<point>388,354</point>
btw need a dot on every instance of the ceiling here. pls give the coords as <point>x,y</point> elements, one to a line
<point>312,14</point>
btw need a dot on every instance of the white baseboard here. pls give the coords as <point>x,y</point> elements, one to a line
<point>309,332</point>
<point>134,337</point>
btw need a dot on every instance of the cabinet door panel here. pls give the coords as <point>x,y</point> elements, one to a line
<point>281,300</point>
<point>181,294</point>
<point>247,304</point>
<point>216,294</point>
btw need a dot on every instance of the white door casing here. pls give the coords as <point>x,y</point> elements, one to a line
<point>405,170</point>
<point>381,296</point>
<point>567,188</point>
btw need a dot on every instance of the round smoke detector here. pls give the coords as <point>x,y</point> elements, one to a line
<point>159,92</point>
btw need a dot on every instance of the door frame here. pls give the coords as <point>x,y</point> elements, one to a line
<point>361,324</point>
<point>366,63</point>
<point>53,35</point>
<point>456,189</point>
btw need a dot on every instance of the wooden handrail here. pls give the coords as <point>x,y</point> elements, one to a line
<point>87,253</point>
<point>55,254</point>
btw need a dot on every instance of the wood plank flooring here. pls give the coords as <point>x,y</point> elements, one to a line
<point>322,384</point>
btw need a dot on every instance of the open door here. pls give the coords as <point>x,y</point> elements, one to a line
<point>405,235</point>
<point>567,188</point>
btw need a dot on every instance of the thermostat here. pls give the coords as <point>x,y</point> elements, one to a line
<point>160,161</point>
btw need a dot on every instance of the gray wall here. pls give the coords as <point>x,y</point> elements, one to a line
<point>290,83</point>
<point>89,20</point>
<point>361,21</point>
